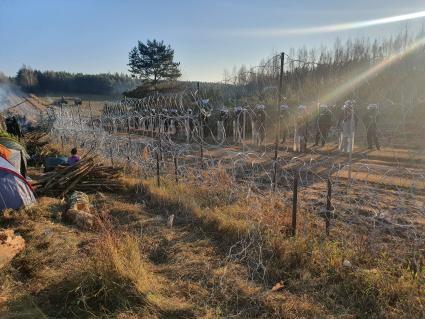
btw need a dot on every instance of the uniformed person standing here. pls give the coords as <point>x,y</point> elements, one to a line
<point>323,124</point>
<point>301,130</point>
<point>371,120</point>
<point>13,127</point>
<point>347,128</point>
<point>237,126</point>
<point>188,124</point>
<point>284,122</point>
<point>221,124</point>
<point>172,130</point>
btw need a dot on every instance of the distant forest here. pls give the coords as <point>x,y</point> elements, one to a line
<point>310,74</point>
<point>42,82</point>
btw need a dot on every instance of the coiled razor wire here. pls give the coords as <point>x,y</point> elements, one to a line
<point>387,196</point>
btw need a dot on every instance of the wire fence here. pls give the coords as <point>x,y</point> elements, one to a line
<point>185,137</point>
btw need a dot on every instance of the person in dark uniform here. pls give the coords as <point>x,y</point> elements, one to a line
<point>371,120</point>
<point>203,119</point>
<point>13,127</point>
<point>323,123</point>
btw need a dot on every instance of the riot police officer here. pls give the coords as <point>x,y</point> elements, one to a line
<point>323,123</point>
<point>371,120</point>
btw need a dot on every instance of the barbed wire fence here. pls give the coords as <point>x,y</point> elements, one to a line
<point>188,137</point>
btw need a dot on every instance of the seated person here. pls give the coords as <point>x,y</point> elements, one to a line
<point>74,158</point>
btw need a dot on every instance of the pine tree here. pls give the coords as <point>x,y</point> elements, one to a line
<point>153,62</point>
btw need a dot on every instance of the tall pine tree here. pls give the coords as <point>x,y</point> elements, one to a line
<point>153,62</point>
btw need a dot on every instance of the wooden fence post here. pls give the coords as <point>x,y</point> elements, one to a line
<point>328,207</point>
<point>111,155</point>
<point>62,143</point>
<point>158,181</point>
<point>176,172</point>
<point>294,206</point>
<point>202,156</point>
<point>275,165</point>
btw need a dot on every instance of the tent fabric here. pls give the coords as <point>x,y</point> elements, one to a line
<point>15,192</point>
<point>12,144</point>
<point>5,152</point>
<point>15,159</point>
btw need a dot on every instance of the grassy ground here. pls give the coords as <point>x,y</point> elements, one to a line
<point>221,259</point>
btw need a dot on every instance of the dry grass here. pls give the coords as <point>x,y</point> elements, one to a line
<point>68,273</point>
<point>379,284</point>
<point>220,260</point>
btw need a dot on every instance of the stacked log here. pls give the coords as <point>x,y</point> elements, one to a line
<point>38,145</point>
<point>88,175</point>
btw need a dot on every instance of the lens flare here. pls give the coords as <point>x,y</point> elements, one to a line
<point>273,32</point>
<point>364,76</point>
<point>360,77</point>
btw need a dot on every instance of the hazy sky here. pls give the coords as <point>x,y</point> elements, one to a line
<point>95,36</point>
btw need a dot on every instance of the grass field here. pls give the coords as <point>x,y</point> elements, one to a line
<point>230,252</point>
<point>225,256</point>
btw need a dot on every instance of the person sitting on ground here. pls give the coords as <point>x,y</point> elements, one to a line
<point>74,158</point>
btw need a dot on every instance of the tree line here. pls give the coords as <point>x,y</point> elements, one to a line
<point>310,72</point>
<point>42,82</point>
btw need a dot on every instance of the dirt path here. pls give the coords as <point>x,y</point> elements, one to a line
<point>199,274</point>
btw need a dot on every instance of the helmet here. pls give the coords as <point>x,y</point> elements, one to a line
<point>348,104</point>
<point>372,107</point>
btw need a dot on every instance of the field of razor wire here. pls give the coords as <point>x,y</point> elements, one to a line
<point>183,138</point>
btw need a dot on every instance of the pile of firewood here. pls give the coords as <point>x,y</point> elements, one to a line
<point>88,175</point>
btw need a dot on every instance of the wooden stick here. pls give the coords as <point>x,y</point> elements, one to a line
<point>294,206</point>
<point>158,181</point>
<point>328,207</point>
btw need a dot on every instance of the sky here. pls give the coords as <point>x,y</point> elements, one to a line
<point>95,36</point>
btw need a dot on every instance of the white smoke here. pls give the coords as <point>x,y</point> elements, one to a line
<point>10,94</point>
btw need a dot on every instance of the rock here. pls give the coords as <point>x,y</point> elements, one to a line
<point>278,286</point>
<point>79,212</point>
<point>10,245</point>
<point>346,263</point>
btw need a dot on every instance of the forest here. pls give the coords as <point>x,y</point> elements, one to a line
<point>44,82</point>
<point>311,73</point>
